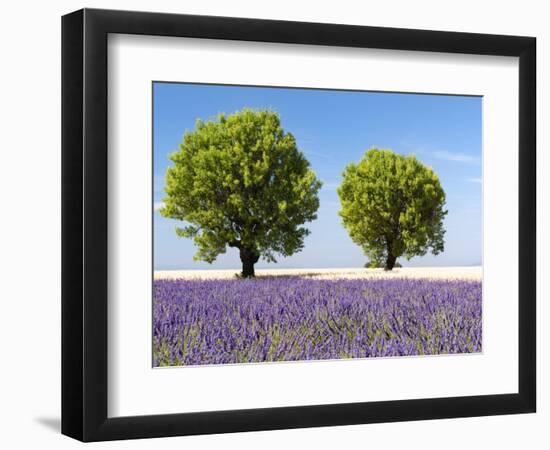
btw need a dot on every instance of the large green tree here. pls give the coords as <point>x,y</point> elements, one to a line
<point>240,181</point>
<point>392,206</point>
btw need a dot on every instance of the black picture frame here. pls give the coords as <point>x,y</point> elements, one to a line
<point>84,224</point>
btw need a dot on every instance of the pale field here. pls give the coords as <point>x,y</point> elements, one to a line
<point>449,273</point>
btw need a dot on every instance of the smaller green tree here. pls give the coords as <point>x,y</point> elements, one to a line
<point>392,206</point>
<point>241,181</point>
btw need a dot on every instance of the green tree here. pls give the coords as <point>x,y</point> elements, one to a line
<point>392,206</point>
<point>240,181</point>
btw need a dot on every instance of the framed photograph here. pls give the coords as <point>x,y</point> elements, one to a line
<point>273,224</point>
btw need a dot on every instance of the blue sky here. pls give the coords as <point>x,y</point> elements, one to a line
<point>333,128</point>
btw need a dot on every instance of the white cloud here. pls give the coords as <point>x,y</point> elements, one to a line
<point>330,205</point>
<point>475,180</point>
<point>158,205</point>
<point>158,184</point>
<point>310,154</point>
<point>456,157</point>
<point>330,185</point>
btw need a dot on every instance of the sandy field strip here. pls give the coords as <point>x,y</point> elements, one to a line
<point>450,273</point>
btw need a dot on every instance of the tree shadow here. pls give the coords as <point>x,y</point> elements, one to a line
<point>263,276</point>
<point>316,275</point>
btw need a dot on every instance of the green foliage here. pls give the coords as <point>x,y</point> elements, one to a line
<point>392,206</point>
<point>240,181</point>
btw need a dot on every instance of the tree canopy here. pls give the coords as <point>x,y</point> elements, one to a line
<point>392,206</point>
<point>240,181</point>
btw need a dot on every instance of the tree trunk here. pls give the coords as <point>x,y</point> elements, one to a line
<point>390,262</point>
<point>248,258</point>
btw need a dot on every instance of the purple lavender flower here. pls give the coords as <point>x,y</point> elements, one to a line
<point>294,318</point>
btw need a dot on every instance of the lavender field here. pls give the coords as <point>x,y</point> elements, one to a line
<point>296,318</point>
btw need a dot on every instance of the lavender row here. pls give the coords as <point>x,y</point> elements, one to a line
<point>292,319</point>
